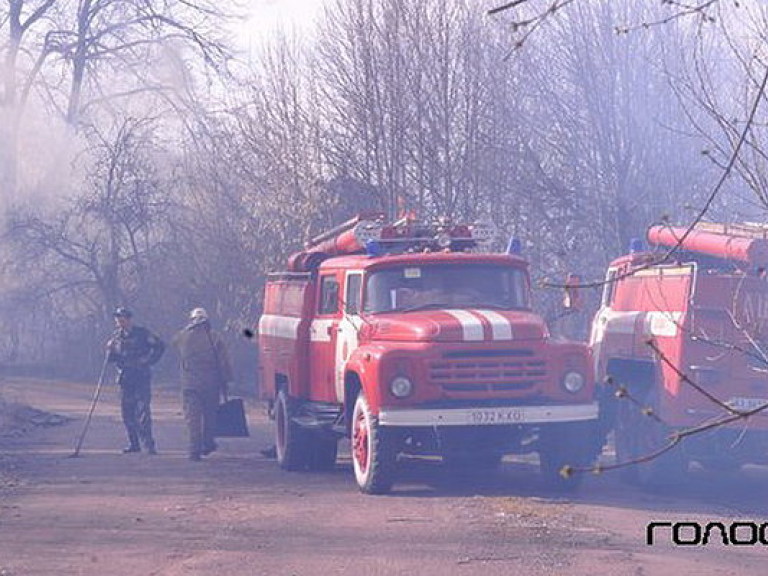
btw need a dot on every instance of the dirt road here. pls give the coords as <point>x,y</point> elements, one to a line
<point>236,513</point>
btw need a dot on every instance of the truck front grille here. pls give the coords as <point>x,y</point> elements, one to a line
<point>489,371</point>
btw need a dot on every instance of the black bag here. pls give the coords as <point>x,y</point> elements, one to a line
<point>230,419</point>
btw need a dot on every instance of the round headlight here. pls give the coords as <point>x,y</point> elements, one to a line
<point>444,240</point>
<point>573,382</point>
<point>401,387</point>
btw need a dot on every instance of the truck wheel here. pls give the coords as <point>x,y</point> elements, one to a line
<point>639,436</point>
<point>373,453</point>
<point>564,445</point>
<point>607,416</point>
<point>322,452</point>
<point>290,439</point>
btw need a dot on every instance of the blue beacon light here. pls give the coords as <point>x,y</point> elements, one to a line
<point>636,245</point>
<point>373,248</point>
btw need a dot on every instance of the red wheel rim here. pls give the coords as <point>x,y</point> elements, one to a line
<point>360,436</point>
<point>280,425</point>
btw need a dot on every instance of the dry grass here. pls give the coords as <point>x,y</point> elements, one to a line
<point>16,420</point>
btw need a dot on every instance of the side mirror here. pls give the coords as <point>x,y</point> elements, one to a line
<point>572,296</point>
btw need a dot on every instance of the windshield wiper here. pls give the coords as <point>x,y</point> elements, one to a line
<point>430,306</point>
<point>485,305</point>
<point>445,305</point>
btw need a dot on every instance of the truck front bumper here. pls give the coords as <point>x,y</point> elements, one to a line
<point>497,416</point>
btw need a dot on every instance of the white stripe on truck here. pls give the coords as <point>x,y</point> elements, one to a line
<point>279,326</point>
<point>501,327</point>
<point>471,326</point>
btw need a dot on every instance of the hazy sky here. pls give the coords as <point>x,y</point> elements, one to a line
<point>266,15</point>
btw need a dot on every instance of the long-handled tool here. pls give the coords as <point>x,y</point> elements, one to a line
<point>94,401</point>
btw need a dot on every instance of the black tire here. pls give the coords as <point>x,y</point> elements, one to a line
<point>564,446</point>
<point>374,454</point>
<point>639,436</point>
<point>322,452</point>
<point>607,415</point>
<point>290,440</point>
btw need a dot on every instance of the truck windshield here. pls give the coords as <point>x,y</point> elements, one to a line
<point>409,288</point>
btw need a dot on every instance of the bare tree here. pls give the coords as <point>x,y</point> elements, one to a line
<point>125,37</point>
<point>92,59</point>
<point>93,252</point>
<point>405,87</point>
<point>717,85</point>
<point>20,18</point>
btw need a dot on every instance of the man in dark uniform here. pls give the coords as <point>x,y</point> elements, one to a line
<point>134,349</point>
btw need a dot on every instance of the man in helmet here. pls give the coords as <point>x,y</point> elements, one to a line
<point>205,373</point>
<point>134,349</point>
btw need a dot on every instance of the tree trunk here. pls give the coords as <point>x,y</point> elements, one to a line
<point>78,63</point>
<point>9,133</point>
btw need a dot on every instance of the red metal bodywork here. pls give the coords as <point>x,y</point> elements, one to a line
<point>749,250</point>
<point>707,317</point>
<point>299,346</point>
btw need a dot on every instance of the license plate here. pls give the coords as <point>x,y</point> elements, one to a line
<point>746,404</point>
<point>496,416</point>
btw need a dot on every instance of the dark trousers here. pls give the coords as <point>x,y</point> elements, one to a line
<point>200,414</point>
<point>135,399</point>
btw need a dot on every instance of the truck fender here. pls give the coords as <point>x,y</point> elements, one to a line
<point>637,376</point>
<point>360,373</point>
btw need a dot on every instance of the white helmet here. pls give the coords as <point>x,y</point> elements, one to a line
<point>198,315</point>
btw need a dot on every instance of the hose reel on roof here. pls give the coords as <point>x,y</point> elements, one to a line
<point>368,233</point>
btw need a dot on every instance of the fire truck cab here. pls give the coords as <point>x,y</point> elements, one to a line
<point>408,339</point>
<point>687,338</point>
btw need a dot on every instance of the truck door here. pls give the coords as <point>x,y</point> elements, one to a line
<point>600,321</point>
<point>349,326</point>
<point>323,334</point>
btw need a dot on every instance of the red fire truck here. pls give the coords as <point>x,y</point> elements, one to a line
<point>687,337</point>
<point>411,340</point>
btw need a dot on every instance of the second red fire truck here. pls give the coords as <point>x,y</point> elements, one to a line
<point>410,339</point>
<point>687,337</point>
